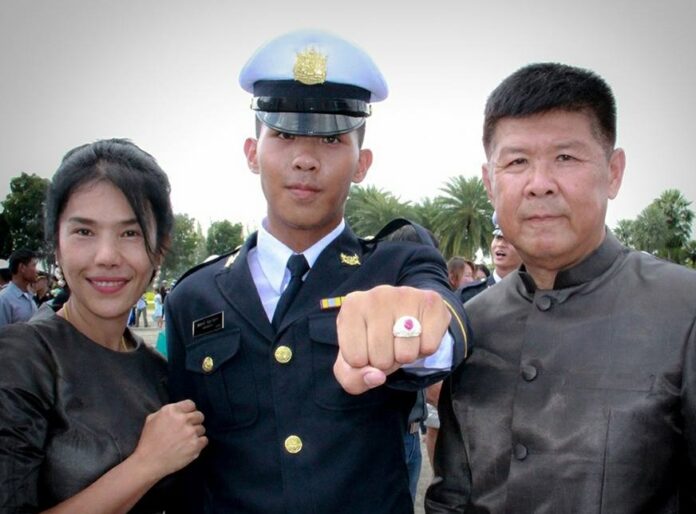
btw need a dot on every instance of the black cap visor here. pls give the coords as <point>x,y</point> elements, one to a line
<point>310,123</point>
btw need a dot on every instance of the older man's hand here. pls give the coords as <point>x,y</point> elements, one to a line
<point>368,349</point>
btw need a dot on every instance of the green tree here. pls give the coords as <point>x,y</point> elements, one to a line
<point>426,212</point>
<point>201,252</point>
<point>24,212</point>
<point>368,209</point>
<point>5,237</point>
<point>223,237</point>
<point>690,254</point>
<point>650,230</point>
<point>624,232</point>
<point>464,224</point>
<point>184,253</point>
<point>678,217</point>
<point>663,228</point>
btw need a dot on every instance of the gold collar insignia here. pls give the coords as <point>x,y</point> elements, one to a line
<point>350,260</point>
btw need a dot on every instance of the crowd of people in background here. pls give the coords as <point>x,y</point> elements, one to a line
<point>27,292</point>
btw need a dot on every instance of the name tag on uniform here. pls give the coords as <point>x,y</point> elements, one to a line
<point>209,324</point>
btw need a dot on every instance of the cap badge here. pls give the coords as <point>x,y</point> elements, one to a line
<point>350,260</point>
<point>310,67</point>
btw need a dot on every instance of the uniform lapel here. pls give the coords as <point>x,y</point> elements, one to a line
<point>237,287</point>
<point>335,265</point>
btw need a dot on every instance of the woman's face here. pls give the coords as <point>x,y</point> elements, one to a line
<point>467,276</point>
<point>102,253</point>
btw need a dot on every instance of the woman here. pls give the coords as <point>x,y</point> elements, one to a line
<point>42,289</point>
<point>82,424</point>
<point>157,315</point>
<point>460,272</point>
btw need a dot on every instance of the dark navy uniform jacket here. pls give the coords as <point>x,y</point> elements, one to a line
<point>284,436</point>
<point>468,291</point>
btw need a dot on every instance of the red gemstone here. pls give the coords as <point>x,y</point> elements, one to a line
<point>408,324</point>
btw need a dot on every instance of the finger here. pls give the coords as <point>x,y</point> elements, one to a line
<point>406,349</point>
<point>195,417</point>
<point>380,337</point>
<point>357,380</point>
<point>184,406</point>
<point>200,430</point>
<point>202,442</point>
<point>407,346</point>
<point>352,334</point>
<point>435,319</point>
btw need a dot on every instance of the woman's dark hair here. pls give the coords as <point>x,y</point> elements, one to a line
<point>131,170</point>
<point>455,269</point>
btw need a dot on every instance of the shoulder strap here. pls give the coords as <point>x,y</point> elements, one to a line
<point>397,223</point>
<point>206,263</point>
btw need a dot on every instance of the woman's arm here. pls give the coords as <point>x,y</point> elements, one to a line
<point>171,438</point>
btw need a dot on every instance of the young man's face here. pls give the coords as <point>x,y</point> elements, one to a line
<point>505,257</point>
<point>306,181</point>
<point>41,285</point>
<point>550,179</point>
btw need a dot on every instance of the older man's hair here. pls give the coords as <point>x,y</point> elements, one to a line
<point>543,87</point>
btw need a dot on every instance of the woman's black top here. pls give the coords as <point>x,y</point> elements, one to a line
<point>70,409</point>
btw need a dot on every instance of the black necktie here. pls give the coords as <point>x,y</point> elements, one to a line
<point>298,266</point>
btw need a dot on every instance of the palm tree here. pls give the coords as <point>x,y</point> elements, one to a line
<point>650,230</point>
<point>679,218</point>
<point>464,224</point>
<point>624,232</point>
<point>690,253</point>
<point>426,213</point>
<point>368,209</point>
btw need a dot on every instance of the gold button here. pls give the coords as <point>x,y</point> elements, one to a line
<point>283,354</point>
<point>207,365</point>
<point>293,444</point>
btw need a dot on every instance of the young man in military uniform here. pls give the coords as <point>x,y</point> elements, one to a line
<point>306,374</point>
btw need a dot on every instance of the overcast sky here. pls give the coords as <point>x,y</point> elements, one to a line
<point>164,74</point>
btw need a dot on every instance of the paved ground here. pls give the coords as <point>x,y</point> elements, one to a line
<point>425,478</point>
<point>150,336</point>
<point>149,333</point>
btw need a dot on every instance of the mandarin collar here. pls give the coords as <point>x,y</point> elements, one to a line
<point>595,264</point>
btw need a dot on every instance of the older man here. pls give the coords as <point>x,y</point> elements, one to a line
<point>583,399</point>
